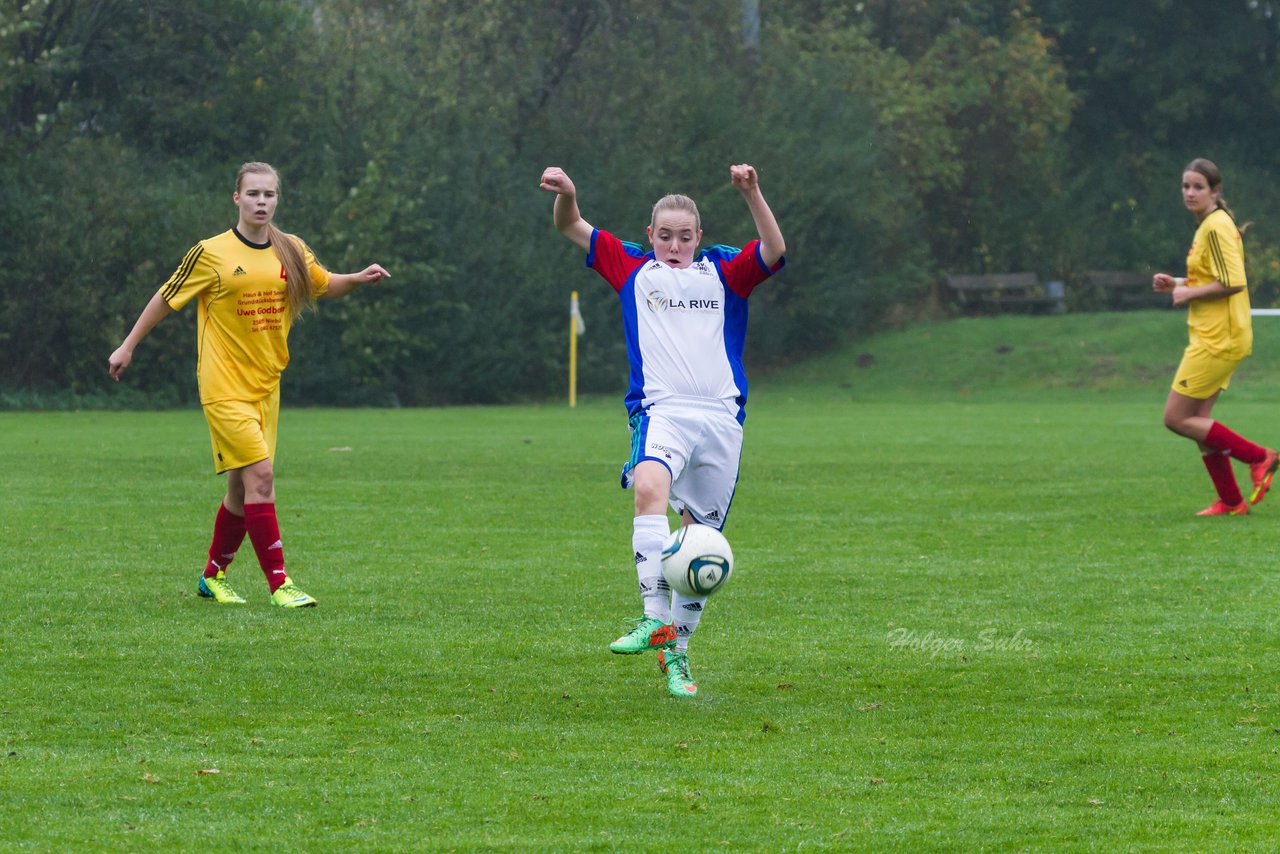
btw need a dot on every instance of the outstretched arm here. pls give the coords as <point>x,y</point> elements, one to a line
<point>772,246</point>
<point>341,284</point>
<point>568,220</point>
<point>157,309</point>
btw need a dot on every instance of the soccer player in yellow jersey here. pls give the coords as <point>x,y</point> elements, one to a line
<point>1217,299</point>
<point>249,283</point>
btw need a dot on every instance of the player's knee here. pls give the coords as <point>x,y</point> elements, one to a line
<point>235,493</point>
<point>259,484</point>
<point>1175,423</point>
<point>651,493</point>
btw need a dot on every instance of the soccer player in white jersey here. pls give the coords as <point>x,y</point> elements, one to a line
<point>684,314</point>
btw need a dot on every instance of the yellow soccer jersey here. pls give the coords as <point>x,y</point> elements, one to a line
<point>1221,326</point>
<point>243,322</point>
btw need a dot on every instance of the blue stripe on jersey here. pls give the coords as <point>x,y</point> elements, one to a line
<point>735,327</point>
<point>735,338</point>
<point>631,331</point>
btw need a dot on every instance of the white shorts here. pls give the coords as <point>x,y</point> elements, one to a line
<point>700,443</point>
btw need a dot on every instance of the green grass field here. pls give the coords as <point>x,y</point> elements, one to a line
<point>973,609</point>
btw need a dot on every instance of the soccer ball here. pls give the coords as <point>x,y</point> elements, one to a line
<point>697,560</point>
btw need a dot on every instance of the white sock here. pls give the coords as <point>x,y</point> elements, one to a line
<point>687,611</point>
<point>648,537</point>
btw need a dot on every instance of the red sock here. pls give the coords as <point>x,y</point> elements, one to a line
<point>1224,478</point>
<point>1224,439</point>
<point>264,533</point>
<point>228,534</point>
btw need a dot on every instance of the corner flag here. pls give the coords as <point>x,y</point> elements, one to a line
<point>576,328</point>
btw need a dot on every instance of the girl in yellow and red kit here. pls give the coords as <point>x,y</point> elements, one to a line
<point>1217,299</point>
<point>250,282</point>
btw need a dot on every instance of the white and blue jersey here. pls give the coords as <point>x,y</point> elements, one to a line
<point>685,328</point>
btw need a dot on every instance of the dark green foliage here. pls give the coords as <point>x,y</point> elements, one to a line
<point>896,141</point>
<point>1160,83</point>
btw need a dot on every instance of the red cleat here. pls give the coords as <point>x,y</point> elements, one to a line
<point>1222,508</point>
<point>1262,473</point>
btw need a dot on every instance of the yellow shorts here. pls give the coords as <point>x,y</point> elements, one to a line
<point>243,432</point>
<point>1202,374</point>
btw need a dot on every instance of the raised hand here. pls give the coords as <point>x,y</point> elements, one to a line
<point>555,180</point>
<point>744,177</point>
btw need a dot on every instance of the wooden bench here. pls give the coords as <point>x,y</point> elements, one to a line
<point>994,292</point>
<point>1120,289</point>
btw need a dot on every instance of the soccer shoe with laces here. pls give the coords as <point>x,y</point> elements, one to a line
<point>649,633</point>
<point>675,665</point>
<point>288,595</point>
<point>1262,473</point>
<point>1222,508</point>
<point>217,589</point>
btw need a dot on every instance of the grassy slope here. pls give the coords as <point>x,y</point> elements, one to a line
<point>1012,357</point>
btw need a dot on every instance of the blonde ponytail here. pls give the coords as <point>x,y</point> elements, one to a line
<point>288,249</point>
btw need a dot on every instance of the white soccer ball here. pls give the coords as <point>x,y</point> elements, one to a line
<point>697,560</point>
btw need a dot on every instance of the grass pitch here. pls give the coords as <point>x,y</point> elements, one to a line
<point>971,614</point>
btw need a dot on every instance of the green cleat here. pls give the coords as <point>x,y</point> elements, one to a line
<point>676,665</point>
<point>288,595</point>
<point>649,633</point>
<point>218,590</point>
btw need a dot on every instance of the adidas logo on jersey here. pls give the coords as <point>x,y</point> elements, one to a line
<point>239,272</point>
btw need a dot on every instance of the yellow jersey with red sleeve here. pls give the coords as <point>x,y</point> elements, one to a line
<point>1223,327</point>
<point>243,321</point>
